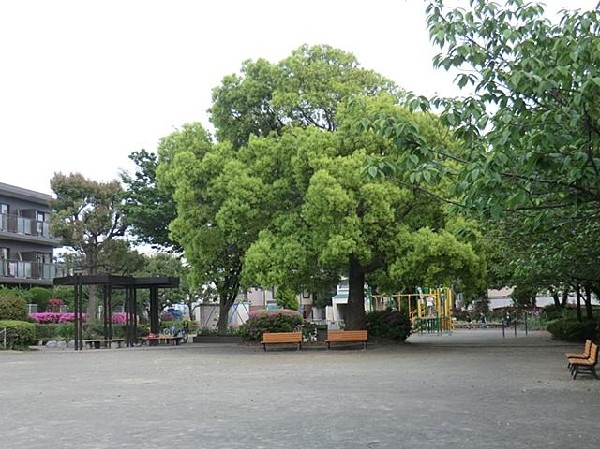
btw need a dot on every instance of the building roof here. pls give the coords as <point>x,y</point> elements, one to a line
<point>25,194</point>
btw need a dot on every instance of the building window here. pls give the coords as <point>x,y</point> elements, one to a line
<point>3,217</point>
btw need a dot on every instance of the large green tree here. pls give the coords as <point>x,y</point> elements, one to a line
<point>303,89</point>
<point>326,216</point>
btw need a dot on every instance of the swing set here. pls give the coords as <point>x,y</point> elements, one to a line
<point>430,310</point>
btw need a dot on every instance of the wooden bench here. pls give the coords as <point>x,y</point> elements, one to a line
<point>166,339</point>
<point>97,343</point>
<point>587,365</point>
<point>580,355</point>
<point>335,336</point>
<point>282,337</point>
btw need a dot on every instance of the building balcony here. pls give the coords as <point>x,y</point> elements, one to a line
<point>22,228</point>
<point>18,271</point>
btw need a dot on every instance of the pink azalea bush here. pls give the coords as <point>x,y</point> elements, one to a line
<point>53,317</point>
<point>69,317</point>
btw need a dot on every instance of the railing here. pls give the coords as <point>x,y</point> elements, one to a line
<point>25,226</point>
<point>31,270</point>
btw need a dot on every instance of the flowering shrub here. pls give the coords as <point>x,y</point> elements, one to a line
<point>119,318</point>
<point>391,324</point>
<point>53,317</point>
<point>270,321</point>
<point>69,317</point>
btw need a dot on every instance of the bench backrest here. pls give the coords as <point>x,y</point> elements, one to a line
<point>593,354</point>
<point>355,335</point>
<point>282,337</point>
<point>587,348</point>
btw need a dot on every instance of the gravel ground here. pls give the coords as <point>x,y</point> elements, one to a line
<point>471,389</point>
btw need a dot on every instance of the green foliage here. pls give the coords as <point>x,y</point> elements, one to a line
<point>392,324</point>
<point>47,331</point>
<point>270,321</point>
<point>287,299</point>
<point>19,334</point>
<point>570,329</point>
<point>149,225</point>
<point>39,296</point>
<point>66,331</point>
<point>529,120</point>
<point>13,307</point>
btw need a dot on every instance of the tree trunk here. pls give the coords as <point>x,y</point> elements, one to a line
<point>556,299</point>
<point>225,303</point>
<point>589,314</point>
<point>356,317</point>
<point>578,303</point>
<point>92,306</point>
<point>565,297</point>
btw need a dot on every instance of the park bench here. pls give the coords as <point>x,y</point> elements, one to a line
<point>97,343</point>
<point>166,339</point>
<point>281,337</point>
<point>580,355</point>
<point>587,365</point>
<point>336,336</point>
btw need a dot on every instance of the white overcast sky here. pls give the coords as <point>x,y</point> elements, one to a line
<point>85,83</point>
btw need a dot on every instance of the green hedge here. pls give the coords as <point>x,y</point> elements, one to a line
<point>19,334</point>
<point>392,324</point>
<point>13,307</point>
<point>570,329</point>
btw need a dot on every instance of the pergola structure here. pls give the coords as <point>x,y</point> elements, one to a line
<point>110,282</point>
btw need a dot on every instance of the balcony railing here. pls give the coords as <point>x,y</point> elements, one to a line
<point>26,226</point>
<point>19,269</point>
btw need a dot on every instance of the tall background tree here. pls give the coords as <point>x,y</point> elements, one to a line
<point>88,218</point>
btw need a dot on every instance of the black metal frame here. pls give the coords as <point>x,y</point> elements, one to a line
<point>109,282</point>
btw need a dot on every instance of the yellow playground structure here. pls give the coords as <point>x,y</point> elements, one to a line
<point>430,310</point>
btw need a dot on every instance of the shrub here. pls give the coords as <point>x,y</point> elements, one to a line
<point>46,331</point>
<point>66,331</point>
<point>270,321</point>
<point>19,334</point>
<point>53,317</point>
<point>13,307</point>
<point>570,329</point>
<point>39,296</point>
<point>391,324</point>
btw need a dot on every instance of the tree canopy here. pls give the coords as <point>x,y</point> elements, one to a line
<point>529,123</point>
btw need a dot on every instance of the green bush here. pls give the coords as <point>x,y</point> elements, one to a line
<point>66,331</point>
<point>19,334</point>
<point>39,296</point>
<point>47,331</point>
<point>270,321</point>
<point>392,324</point>
<point>570,329</point>
<point>13,307</point>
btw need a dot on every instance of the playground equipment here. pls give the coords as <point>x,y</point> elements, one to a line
<point>430,310</point>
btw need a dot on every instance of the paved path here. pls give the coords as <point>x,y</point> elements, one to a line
<point>471,389</point>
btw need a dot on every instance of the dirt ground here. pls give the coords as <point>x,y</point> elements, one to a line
<point>471,389</point>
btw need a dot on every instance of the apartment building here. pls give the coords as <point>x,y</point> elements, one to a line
<point>26,244</point>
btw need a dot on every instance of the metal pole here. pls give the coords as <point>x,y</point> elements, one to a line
<point>526,330</point>
<point>502,328</point>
